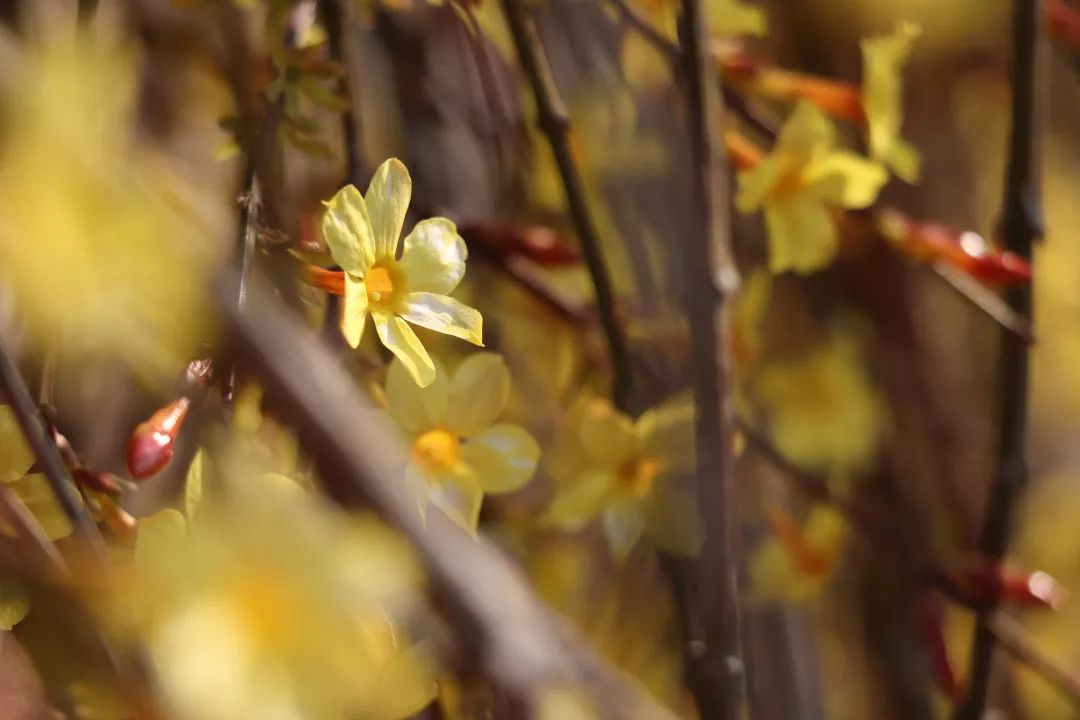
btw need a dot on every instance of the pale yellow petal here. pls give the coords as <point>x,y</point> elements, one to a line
<point>503,458</point>
<point>36,494</point>
<point>667,434</point>
<point>607,435</point>
<point>400,339</point>
<point>460,496</point>
<point>14,601</point>
<point>346,230</point>
<point>882,87</point>
<point>728,18</point>
<point>478,393</point>
<point>806,133</point>
<point>756,183</point>
<point>161,535</point>
<point>904,160</point>
<point>581,501</point>
<point>417,408</point>
<point>354,310</point>
<point>845,179</point>
<point>444,314</point>
<point>16,457</point>
<point>433,257</point>
<point>624,524</point>
<point>387,201</point>
<point>802,235</point>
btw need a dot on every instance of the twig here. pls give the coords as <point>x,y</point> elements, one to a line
<point>708,593</point>
<point>518,642</point>
<point>1012,638</point>
<point>30,530</point>
<point>1021,225</point>
<point>634,19</point>
<point>555,124</point>
<point>341,38</point>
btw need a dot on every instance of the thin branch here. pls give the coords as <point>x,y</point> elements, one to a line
<point>35,431</point>
<point>1021,225</point>
<point>518,642</point>
<point>708,592</point>
<point>29,529</point>
<point>341,36</point>
<point>555,124</point>
<point>632,17</point>
<point>1011,637</point>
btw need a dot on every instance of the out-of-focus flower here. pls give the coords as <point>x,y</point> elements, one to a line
<point>797,184</point>
<point>31,489</point>
<point>821,408</point>
<point>882,87</point>
<point>634,475</point>
<point>458,451</point>
<point>268,604</point>
<point>797,560</point>
<point>97,239</point>
<point>362,233</point>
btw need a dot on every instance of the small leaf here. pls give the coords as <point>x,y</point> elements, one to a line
<point>322,95</point>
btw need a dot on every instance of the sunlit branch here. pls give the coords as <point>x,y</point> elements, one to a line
<point>554,122</point>
<point>642,26</point>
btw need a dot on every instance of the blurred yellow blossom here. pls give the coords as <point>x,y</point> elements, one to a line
<point>362,233</point>
<point>882,86</point>
<point>635,475</point>
<point>98,239</point>
<point>797,184</point>
<point>797,560</point>
<point>822,409</point>
<point>31,489</point>
<point>269,604</point>
<point>458,451</point>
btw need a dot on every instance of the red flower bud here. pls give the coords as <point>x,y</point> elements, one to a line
<point>151,445</point>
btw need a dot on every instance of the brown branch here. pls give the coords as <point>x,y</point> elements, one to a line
<point>1012,638</point>
<point>554,122</point>
<point>1021,225</point>
<point>518,642</point>
<point>706,589</point>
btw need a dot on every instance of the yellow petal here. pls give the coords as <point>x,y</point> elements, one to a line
<point>346,230</point>
<point>667,434</point>
<point>400,339</point>
<point>882,86</point>
<point>581,501</point>
<point>607,435</point>
<point>802,236</point>
<point>478,393</point>
<point>387,200</point>
<point>624,523</point>
<point>16,457</point>
<point>433,257</point>
<point>460,496</point>
<point>160,536</point>
<point>193,484</point>
<point>672,521</point>
<point>643,65</point>
<point>444,314</point>
<point>845,179</point>
<point>14,602</point>
<point>806,133</point>
<point>36,494</point>
<point>728,18</point>
<point>404,686</point>
<point>354,310</point>
<point>756,183</point>
<point>904,160</point>
<point>503,458</point>
<point>417,408</point>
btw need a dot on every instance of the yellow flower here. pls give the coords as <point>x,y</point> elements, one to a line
<point>269,604</point>
<point>362,233</point>
<point>796,561</point>
<point>822,409</point>
<point>458,452</point>
<point>883,58</point>
<point>798,182</point>
<point>31,489</point>
<point>635,475</point>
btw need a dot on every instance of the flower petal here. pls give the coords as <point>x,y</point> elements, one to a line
<point>161,535</point>
<point>503,458</point>
<point>624,524</point>
<point>578,503</point>
<point>882,89</point>
<point>756,183</point>
<point>802,236</point>
<point>417,408</point>
<point>460,496</point>
<point>400,339</point>
<point>354,310</point>
<point>16,457</point>
<point>444,314</point>
<point>36,494</point>
<point>608,436</point>
<point>845,179</point>
<point>671,517</point>
<point>433,257</point>
<point>388,199</point>
<point>667,434</point>
<point>346,230</point>
<point>806,133</point>
<point>478,393</point>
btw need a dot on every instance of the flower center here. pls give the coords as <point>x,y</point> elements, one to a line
<point>437,451</point>
<point>637,475</point>
<point>380,285</point>
<point>790,181</point>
